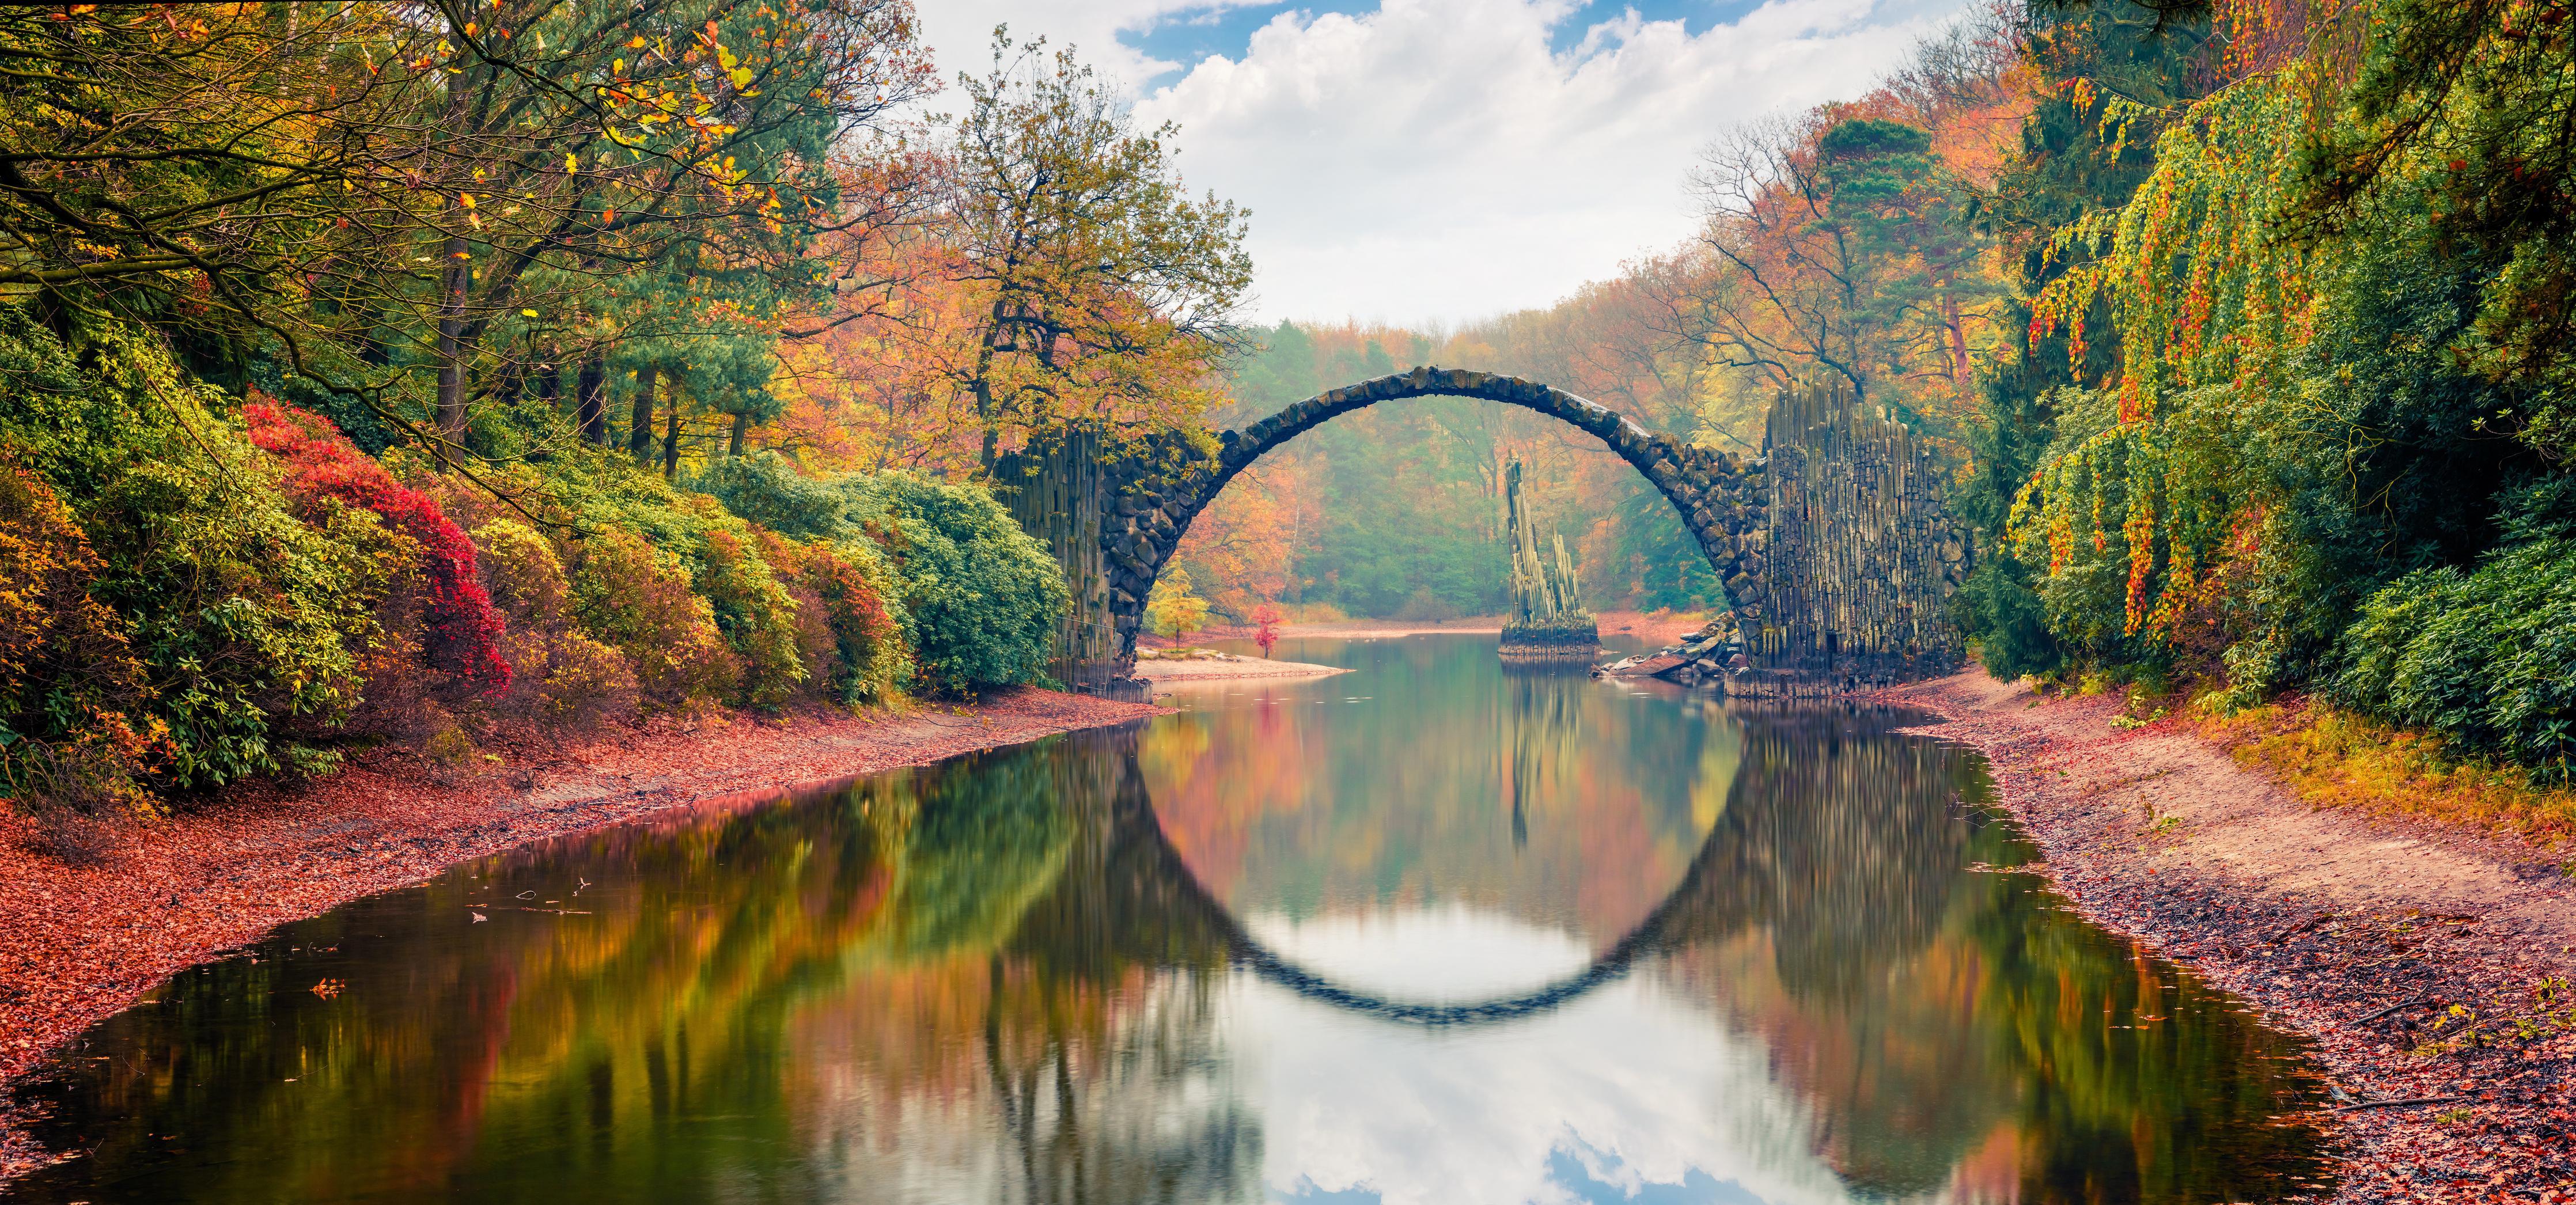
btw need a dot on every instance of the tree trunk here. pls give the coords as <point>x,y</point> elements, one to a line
<point>671,441</point>
<point>590,391</point>
<point>451,340</point>
<point>741,424</point>
<point>1960,370</point>
<point>513,384</point>
<point>984,406</point>
<point>639,425</point>
<point>550,384</point>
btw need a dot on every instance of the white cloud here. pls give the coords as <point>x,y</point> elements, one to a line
<point>1437,160</point>
<point>961,31</point>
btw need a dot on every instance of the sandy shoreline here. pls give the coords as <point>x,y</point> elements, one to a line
<point>1226,667</point>
<point>2362,933</point>
<point>80,943</point>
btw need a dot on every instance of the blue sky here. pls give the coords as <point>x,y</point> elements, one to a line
<point>1190,34</point>
<point>1439,161</point>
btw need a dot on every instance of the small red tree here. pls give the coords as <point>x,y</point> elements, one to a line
<point>461,631</point>
<point>1266,617</point>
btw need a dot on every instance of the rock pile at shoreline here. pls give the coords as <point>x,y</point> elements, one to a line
<point>1712,655</point>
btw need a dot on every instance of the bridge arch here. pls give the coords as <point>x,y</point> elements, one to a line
<point>1845,850</point>
<point>1152,498</point>
<point>1835,546</point>
<point>1675,921</point>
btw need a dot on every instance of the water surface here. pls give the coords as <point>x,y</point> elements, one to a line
<point>1432,931</point>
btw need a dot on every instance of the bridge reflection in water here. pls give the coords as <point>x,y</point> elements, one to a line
<point>1090,970</point>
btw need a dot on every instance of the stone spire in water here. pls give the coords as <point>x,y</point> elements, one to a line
<point>1547,606</point>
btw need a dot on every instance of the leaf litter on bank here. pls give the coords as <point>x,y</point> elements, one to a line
<point>2447,1033</point>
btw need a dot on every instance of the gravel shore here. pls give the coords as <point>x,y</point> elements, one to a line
<point>2431,967</point>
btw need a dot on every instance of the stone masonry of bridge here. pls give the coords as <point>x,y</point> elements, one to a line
<point>1114,515</point>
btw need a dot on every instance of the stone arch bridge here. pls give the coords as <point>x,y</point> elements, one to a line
<point>1834,547</point>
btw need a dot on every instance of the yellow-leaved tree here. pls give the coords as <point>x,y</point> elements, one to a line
<point>1098,288</point>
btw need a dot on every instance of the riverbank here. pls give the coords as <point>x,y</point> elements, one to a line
<point>80,943</point>
<point>2430,965</point>
<point>1208,665</point>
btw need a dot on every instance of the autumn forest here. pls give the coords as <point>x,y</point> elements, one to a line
<point>438,436</point>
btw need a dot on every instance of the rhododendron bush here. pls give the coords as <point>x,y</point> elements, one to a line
<point>195,591</point>
<point>69,684</point>
<point>635,598</point>
<point>975,597</point>
<point>245,621</point>
<point>841,589</point>
<point>462,630</point>
<point>561,674</point>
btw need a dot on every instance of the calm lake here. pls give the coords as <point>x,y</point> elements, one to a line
<point>1432,931</point>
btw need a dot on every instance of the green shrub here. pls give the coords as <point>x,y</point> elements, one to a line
<point>980,596</point>
<point>72,748</point>
<point>844,594</point>
<point>752,609</point>
<point>765,488</point>
<point>2485,658</point>
<point>1997,603</point>
<point>977,597</point>
<point>250,624</point>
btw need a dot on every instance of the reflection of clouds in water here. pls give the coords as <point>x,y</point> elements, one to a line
<point>1595,1177</point>
<point>1630,1093</point>
<point>1445,954</point>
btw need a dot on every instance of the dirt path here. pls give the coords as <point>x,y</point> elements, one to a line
<point>2428,964</point>
<point>79,943</point>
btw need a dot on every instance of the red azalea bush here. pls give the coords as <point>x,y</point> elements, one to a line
<point>462,631</point>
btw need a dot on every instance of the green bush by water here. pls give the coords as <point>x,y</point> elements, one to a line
<point>979,598</point>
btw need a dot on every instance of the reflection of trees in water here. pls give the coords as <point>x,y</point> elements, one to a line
<point>1838,838</point>
<point>1100,1036</point>
<point>1131,1100</point>
<point>1816,900</point>
<point>1543,736</point>
<point>500,1060</point>
<point>986,838</point>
